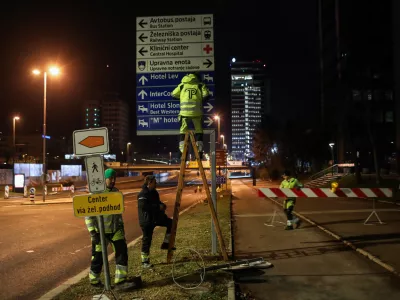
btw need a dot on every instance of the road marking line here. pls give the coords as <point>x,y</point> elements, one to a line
<point>30,251</point>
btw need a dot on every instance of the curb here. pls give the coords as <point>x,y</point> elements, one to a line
<point>347,243</point>
<point>231,284</point>
<point>70,201</point>
<point>71,281</point>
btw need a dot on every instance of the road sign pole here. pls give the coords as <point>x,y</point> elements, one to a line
<point>107,280</point>
<point>213,191</point>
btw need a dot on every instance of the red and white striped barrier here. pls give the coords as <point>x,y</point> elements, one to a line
<point>326,193</point>
<point>64,188</point>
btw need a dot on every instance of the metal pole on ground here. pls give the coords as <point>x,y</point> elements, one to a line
<point>103,241</point>
<point>213,191</point>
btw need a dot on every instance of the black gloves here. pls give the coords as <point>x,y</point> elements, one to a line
<point>95,237</point>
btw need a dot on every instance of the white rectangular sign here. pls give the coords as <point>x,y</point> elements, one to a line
<point>192,64</point>
<point>95,174</point>
<point>175,50</point>
<point>91,141</point>
<point>174,22</point>
<point>156,37</point>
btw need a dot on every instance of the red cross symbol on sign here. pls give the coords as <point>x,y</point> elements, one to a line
<point>207,49</point>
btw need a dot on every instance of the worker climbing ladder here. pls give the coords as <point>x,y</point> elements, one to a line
<point>189,138</point>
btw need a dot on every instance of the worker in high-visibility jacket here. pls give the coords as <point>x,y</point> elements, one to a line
<point>289,203</point>
<point>191,92</point>
<point>115,234</point>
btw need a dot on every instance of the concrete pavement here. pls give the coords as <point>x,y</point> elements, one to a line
<point>308,264</point>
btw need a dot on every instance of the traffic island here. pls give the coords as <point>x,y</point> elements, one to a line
<point>193,243</point>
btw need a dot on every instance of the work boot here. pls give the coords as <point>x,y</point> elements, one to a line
<point>125,286</point>
<point>147,265</point>
<point>298,224</point>
<point>164,246</point>
<point>289,227</point>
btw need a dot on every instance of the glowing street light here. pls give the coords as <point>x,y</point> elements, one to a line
<point>16,118</point>
<point>218,119</point>
<point>53,70</point>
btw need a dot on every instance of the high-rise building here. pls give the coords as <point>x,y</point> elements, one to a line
<point>92,114</point>
<point>249,102</point>
<point>115,116</point>
<point>112,112</point>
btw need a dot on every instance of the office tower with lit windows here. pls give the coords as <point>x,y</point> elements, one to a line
<point>250,101</point>
<point>112,112</point>
<point>92,114</point>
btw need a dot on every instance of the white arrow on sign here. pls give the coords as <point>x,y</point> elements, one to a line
<point>209,107</point>
<point>209,121</point>
<point>143,79</point>
<point>142,93</point>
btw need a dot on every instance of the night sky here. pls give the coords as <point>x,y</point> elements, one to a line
<point>84,38</point>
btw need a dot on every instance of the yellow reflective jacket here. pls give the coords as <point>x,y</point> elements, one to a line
<point>191,93</point>
<point>112,223</point>
<point>290,184</point>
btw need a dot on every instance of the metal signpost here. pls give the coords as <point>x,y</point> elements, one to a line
<point>169,48</point>
<point>91,143</point>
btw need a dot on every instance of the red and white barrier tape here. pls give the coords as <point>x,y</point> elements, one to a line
<point>326,193</point>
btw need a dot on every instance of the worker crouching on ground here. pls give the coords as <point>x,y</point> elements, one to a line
<point>192,93</point>
<point>289,203</point>
<point>115,234</point>
<point>151,213</point>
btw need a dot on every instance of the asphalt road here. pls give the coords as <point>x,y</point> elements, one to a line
<point>42,246</point>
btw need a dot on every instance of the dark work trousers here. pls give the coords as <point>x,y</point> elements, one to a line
<point>120,249</point>
<point>148,232</point>
<point>289,213</point>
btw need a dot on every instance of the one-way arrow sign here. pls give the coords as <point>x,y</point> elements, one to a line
<point>142,22</point>
<point>142,93</point>
<point>90,141</point>
<point>208,63</point>
<point>209,107</point>
<point>142,51</point>
<point>209,121</point>
<point>143,38</point>
<point>143,79</point>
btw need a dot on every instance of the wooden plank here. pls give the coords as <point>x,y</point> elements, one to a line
<point>210,202</point>
<point>181,183</point>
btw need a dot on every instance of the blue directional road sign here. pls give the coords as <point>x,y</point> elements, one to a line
<point>169,79</point>
<point>161,93</point>
<point>157,123</point>
<point>167,108</point>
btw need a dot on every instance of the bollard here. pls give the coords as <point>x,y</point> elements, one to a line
<point>72,190</point>
<point>32,191</point>
<point>25,191</point>
<point>6,192</point>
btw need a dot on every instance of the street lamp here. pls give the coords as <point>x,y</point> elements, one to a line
<point>53,71</point>
<point>223,140</point>
<point>16,118</point>
<point>333,159</point>
<point>127,151</point>
<point>218,119</point>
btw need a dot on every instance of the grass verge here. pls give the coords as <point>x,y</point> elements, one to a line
<point>194,232</point>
